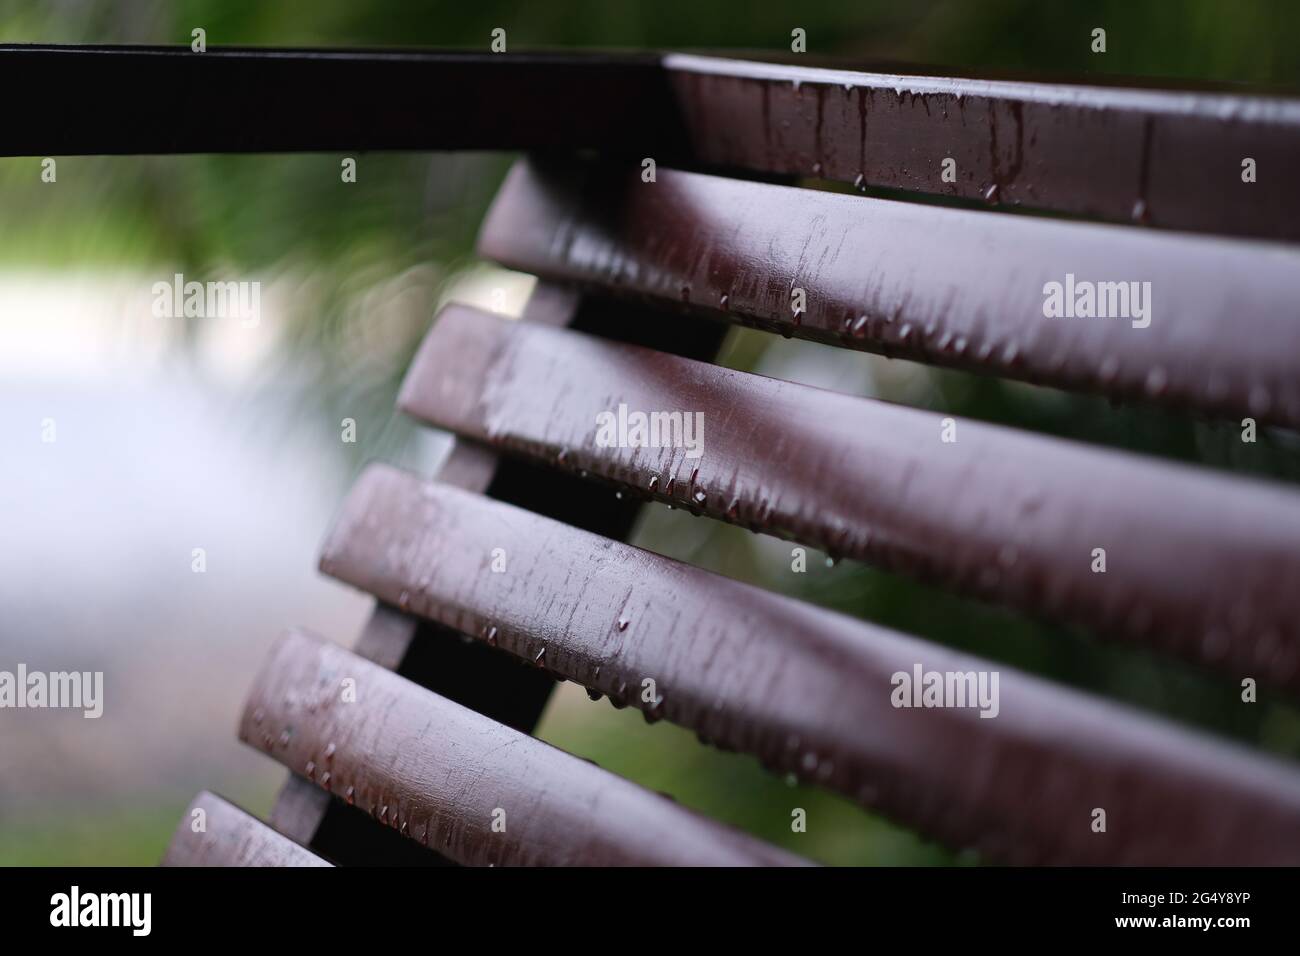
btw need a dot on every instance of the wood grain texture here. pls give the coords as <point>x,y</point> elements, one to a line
<point>231,837</point>
<point>812,693</point>
<point>958,288</point>
<point>1198,564</point>
<point>443,775</point>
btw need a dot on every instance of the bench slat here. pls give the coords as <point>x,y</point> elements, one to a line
<point>439,660</point>
<point>438,773</point>
<point>1166,157</point>
<point>231,837</point>
<point>1197,563</point>
<point>958,288</point>
<point>810,692</point>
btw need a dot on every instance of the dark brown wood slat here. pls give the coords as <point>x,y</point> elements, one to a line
<point>231,838</point>
<point>1197,563</point>
<point>440,773</point>
<point>952,287</point>
<point>438,659</point>
<point>299,809</point>
<point>1165,157</point>
<point>135,100</point>
<point>809,691</point>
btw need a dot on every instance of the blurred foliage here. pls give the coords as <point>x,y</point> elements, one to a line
<point>406,229</point>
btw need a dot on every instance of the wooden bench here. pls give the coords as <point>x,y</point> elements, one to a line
<point>414,747</point>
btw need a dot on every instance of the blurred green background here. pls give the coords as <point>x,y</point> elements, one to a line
<point>368,264</point>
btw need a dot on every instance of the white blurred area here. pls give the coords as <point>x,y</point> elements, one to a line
<point>161,447</point>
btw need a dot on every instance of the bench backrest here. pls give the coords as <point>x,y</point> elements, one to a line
<point>415,747</point>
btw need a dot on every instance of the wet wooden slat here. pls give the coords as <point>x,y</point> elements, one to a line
<point>811,692</point>
<point>432,655</point>
<point>231,837</point>
<point>441,774</point>
<point>959,288</point>
<point>1196,563</point>
<point>1169,158</point>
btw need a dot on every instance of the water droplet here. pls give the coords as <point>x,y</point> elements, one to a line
<point>492,636</point>
<point>654,482</point>
<point>311,770</point>
<point>725,301</point>
<point>325,780</point>
<point>258,716</point>
<point>540,657</point>
<point>860,181</point>
<point>593,693</point>
<point>619,699</point>
<point>404,599</point>
<point>1157,380</point>
<point>622,623</point>
<point>991,194</point>
<point>284,737</point>
<point>699,497</point>
<point>329,750</point>
<point>352,796</point>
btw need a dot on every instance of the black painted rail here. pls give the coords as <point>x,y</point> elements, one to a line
<point>1168,158</point>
